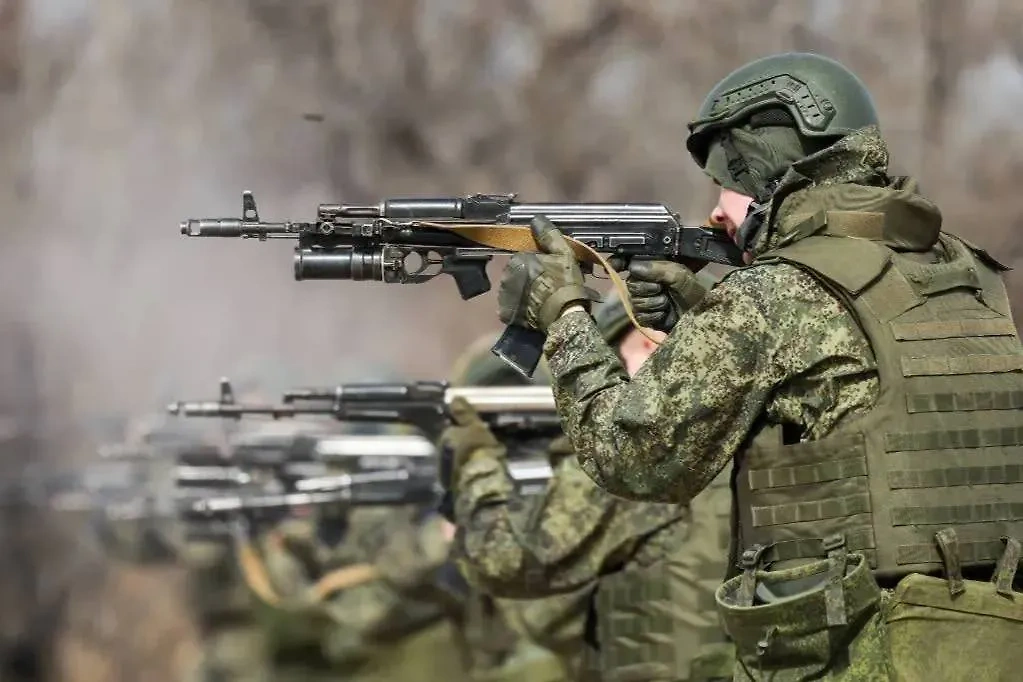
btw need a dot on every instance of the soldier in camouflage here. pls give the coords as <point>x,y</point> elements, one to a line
<point>354,594</point>
<point>543,638</point>
<point>234,646</point>
<point>642,574</point>
<point>863,372</point>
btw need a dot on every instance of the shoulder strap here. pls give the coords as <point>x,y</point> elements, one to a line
<point>852,264</point>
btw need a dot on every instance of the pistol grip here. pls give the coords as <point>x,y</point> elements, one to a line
<point>521,348</point>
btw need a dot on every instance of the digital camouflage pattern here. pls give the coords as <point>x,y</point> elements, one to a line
<point>518,555</point>
<point>557,623</point>
<point>667,433</point>
<point>534,640</point>
<point>644,605</point>
<point>234,646</point>
<point>799,644</point>
<point>396,625</point>
<point>768,341</point>
<point>771,346</point>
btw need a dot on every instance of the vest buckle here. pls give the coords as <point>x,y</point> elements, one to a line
<point>1005,569</point>
<point>948,546</point>
<point>749,562</point>
<point>834,592</point>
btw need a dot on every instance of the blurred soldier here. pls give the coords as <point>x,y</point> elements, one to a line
<point>237,645</point>
<point>863,372</point>
<point>358,598</point>
<point>647,572</point>
<point>234,645</point>
<point>356,594</point>
<point>535,640</point>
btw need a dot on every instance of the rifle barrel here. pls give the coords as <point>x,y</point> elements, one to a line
<point>341,447</point>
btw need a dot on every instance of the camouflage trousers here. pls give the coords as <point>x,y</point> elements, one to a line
<point>529,663</point>
<point>234,653</point>
<point>431,655</point>
<point>915,633</point>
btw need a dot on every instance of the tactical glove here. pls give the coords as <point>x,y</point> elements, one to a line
<point>536,288</point>
<point>661,291</point>
<point>468,436</point>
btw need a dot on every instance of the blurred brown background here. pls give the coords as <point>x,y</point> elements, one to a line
<point>118,118</point>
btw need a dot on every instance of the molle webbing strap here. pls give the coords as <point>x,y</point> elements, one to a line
<point>520,239</point>
<point>1005,569</point>
<point>970,552</point>
<point>749,562</point>
<point>952,329</point>
<point>806,462</point>
<point>834,595</point>
<point>948,544</point>
<point>952,365</point>
<point>805,452</point>
<point>814,510</point>
<point>859,540</point>
<point>804,474</point>
<point>946,440</point>
<point>955,476</point>
<point>971,401</point>
<point>983,512</point>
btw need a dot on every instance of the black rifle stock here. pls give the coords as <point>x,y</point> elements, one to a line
<point>412,240</point>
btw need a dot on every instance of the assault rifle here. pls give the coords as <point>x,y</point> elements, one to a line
<point>193,465</point>
<point>512,411</point>
<point>524,415</point>
<point>412,240</point>
<point>388,487</point>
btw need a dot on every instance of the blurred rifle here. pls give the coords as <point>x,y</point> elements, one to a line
<point>385,487</point>
<point>514,412</point>
<point>265,477</point>
<point>412,240</point>
<point>522,415</point>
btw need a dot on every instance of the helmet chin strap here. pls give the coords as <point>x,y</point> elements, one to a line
<point>751,226</point>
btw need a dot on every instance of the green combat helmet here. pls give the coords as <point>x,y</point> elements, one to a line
<point>824,99</point>
<point>767,115</point>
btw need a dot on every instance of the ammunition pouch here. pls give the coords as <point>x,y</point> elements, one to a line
<point>954,629</point>
<point>791,639</point>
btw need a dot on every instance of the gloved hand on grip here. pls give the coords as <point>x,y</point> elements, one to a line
<point>536,288</point>
<point>467,436</point>
<point>660,291</point>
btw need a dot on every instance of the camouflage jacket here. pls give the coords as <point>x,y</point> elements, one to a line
<point>768,344</point>
<point>403,552</point>
<point>560,541</point>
